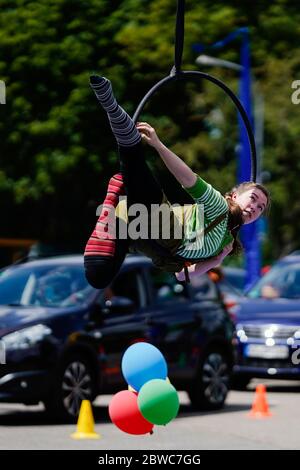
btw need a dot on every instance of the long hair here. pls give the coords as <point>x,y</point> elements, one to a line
<point>235,221</point>
<point>235,216</point>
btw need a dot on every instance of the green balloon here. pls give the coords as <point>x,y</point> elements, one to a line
<point>158,401</point>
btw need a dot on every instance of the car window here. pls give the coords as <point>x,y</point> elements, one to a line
<point>44,285</point>
<point>235,277</point>
<point>281,281</point>
<point>166,287</point>
<point>203,287</point>
<point>130,285</point>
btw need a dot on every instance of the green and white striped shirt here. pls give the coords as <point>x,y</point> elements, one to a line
<point>214,204</point>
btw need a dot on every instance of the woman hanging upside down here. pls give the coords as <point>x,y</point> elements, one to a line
<point>204,242</point>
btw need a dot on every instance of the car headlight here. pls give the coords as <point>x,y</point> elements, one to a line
<point>26,338</point>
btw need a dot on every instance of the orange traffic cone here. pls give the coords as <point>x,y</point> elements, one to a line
<point>260,407</point>
<point>85,424</point>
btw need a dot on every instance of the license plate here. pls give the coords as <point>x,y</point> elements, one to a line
<point>267,352</point>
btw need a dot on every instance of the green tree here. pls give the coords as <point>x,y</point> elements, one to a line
<point>56,148</point>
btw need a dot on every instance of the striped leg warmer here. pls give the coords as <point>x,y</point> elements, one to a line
<point>121,123</point>
<point>102,243</point>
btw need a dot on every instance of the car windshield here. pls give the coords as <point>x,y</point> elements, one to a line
<point>283,280</point>
<point>236,278</point>
<point>45,286</point>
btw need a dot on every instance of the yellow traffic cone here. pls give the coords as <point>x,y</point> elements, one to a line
<point>85,423</point>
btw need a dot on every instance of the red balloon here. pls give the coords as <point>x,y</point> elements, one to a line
<point>125,414</point>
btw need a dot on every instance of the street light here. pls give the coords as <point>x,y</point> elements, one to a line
<point>211,61</point>
<point>214,62</point>
<point>252,241</point>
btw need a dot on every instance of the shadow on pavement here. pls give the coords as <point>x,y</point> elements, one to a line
<point>35,415</point>
<point>39,418</point>
<point>187,411</point>
<point>276,386</point>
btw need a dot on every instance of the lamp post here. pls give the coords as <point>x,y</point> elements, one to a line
<point>203,59</point>
<point>211,61</point>
<point>249,233</point>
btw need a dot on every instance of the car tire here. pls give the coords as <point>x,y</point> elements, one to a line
<point>239,383</point>
<point>75,381</point>
<point>211,385</point>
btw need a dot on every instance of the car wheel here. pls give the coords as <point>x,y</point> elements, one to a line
<point>74,382</point>
<point>210,388</point>
<point>239,383</point>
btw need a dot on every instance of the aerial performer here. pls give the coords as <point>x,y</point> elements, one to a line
<point>204,243</point>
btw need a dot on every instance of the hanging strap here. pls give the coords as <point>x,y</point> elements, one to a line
<point>215,222</point>
<point>186,273</point>
<point>212,225</point>
<point>179,37</point>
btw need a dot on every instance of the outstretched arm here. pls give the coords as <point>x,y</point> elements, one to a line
<point>204,266</point>
<point>182,172</point>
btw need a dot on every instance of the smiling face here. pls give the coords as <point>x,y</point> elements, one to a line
<point>252,202</point>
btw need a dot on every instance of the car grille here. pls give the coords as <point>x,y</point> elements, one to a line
<point>280,331</point>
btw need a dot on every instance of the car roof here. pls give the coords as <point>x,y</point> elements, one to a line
<point>292,258</point>
<point>234,270</point>
<point>130,260</point>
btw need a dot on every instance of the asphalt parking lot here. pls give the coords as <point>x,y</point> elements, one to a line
<point>24,427</point>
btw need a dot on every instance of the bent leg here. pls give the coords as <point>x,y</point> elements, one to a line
<point>104,254</point>
<point>121,124</point>
<point>100,271</point>
<point>141,186</point>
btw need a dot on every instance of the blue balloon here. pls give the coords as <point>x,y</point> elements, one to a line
<point>143,362</point>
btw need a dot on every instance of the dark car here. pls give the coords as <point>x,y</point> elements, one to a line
<point>234,278</point>
<point>63,340</point>
<point>230,282</point>
<point>268,325</point>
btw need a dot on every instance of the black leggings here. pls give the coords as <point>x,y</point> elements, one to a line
<point>141,187</point>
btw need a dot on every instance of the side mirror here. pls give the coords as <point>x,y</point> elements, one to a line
<point>119,304</point>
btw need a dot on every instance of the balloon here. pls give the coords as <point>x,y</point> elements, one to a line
<point>143,362</point>
<point>158,401</point>
<point>125,414</point>
<point>131,389</point>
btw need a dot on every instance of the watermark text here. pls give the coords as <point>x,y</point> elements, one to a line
<point>157,222</point>
<point>2,92</point>
<point>296,94</point>
<point>2,352</point>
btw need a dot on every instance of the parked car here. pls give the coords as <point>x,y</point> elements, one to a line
<point>64,340</point>
<point>268,325</point>
<point>234,278</point>
<point>230,283</point>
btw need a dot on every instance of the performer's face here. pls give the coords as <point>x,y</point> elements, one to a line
<point>252,202</point>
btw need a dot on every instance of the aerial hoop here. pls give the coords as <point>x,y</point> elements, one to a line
<point>178,74</point>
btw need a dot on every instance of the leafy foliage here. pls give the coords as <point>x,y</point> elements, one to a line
<point>57,152</point>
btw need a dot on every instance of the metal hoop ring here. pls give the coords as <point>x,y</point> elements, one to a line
<point>183,75</point>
